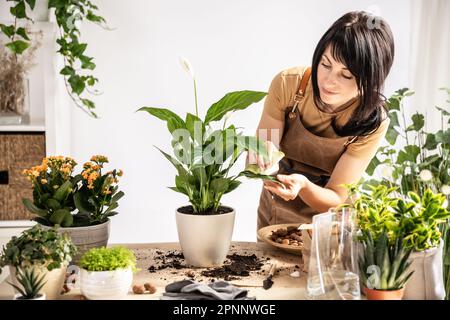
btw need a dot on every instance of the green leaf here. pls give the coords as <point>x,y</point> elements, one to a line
<point>373,165</point>
<point>233,184</point>
<point>391,136</point>
<point>219,185</point>
<point>443,136</point>
<point>59,216</point>
<point>117,196</point>
<point>443,111</point>
<point>19,10</point>
<point>94,18</point>
<point>7,30</point>
<point>23,33</point>
<point>67,221</point>
<point>176,164</point>
<point>195,127</point>
<point>238,100</point>
<point>53,204</point>
<point>113,206</point>
<point>430,142</point>
<point>67,71</point>
<point>393,117</point>
<point>33,208</point>
<point>88,103</point>
<point>81,205</point>
<point>410,153</point>
<point>17,46</point>
<point>253,144</point>
<point>418,121</point>
<point>63,191</point>
<point>78,49</point>
<point>31,3</point>
<point>253,175</point>
<point>166,115</point>
<point>58,4</point>
<point>77,84</point>
<point>86,63</point>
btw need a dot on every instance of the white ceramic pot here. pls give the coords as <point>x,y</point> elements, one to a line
<point>54,281</point>
<point>427,281</point>
<point>205,239</point>
<point>41,296</point>
<point>106,285</point>
<point>86,238</point>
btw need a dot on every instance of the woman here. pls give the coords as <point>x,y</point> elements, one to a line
<point>331,122</point>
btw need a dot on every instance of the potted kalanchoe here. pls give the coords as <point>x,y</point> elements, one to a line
<point>79,205</point>
<point>47,252</point>
<point>414,219</point>
<point>203,157</point>
<point>107,273</point>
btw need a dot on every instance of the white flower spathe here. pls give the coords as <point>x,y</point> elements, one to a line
<point>445,189</point>
<point>425,175</point>
<point>186,65</point>
<point>386,172</point>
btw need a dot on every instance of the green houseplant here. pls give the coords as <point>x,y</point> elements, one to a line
<point>203,157</point>
<point>80,204</point>
<point>69,14</point>
<point>107,273</point>
<point>414,219</point>
<point>30,285</point>
<point>47,251</point>
<point>422,161</point>
<point>384,266</point>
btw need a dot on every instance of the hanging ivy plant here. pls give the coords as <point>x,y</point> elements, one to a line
<point>77,68</point>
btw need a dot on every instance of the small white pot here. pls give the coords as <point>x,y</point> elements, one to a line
<point>205,239</point>
<point>104,285</point>
<point>41,296</point>
<point>427,281</point>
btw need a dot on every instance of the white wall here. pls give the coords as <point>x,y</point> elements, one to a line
<point>233,45</point>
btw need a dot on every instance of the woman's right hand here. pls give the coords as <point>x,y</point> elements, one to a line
<point>263,164</point>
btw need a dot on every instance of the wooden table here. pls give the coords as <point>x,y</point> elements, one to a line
<point>285,287</point>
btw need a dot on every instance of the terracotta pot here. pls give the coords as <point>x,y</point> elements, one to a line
<point>374,294</point>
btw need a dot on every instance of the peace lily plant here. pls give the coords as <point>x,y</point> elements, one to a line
<point>203,155</point>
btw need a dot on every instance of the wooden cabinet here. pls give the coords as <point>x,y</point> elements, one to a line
<point>18,151</point>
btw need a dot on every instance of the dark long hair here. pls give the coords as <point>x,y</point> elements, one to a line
<point>365,45</point>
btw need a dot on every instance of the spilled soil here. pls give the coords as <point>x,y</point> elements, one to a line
<point>234,267</point>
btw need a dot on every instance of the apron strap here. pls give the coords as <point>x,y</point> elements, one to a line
<point>350,140</point>
<point>301,92</point>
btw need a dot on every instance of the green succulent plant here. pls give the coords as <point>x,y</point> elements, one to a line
<point>108,259</point>
<point>384,265</point>
<point>30,283</point>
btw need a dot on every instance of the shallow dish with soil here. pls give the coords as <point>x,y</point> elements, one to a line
<point>284,236</point>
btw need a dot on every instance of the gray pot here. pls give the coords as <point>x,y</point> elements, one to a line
<point>86,238</point>
<point>427,281</point>
<point>205,239</point>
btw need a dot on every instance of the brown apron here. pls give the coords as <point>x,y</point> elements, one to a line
<point>305,153</point>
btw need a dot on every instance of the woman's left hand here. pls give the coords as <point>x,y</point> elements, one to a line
<point>292,184</point>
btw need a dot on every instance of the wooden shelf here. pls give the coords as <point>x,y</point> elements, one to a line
<point>33,126</point>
